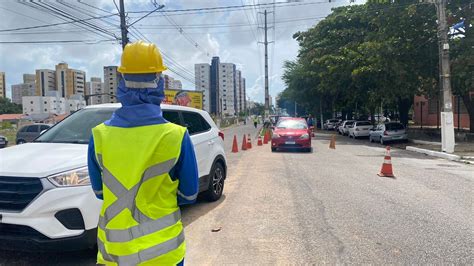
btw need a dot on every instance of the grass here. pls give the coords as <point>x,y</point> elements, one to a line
<point>10,134</point>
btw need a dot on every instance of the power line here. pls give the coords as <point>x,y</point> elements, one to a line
<point>59,41</point>
<point>56,24</point>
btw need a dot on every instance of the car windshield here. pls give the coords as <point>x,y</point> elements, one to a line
<point>77,127</point>
<point>292,124</point>
<point>394,126</point>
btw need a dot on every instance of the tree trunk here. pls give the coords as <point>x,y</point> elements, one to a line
<point>404,106</point>
<point>469,103</point>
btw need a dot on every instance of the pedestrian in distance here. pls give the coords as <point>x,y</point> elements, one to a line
<point>255,121</point>
<point>142,167</point>
<point>310,121</point>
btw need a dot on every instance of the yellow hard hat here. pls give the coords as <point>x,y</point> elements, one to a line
<point>141,58</point>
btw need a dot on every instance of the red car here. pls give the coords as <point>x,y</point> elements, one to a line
<point>292,133</point>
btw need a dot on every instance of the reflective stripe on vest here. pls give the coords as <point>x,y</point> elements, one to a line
<point>126,200</point>
<point>143,255</point>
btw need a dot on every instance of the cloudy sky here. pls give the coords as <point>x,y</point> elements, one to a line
<point>186,38</point>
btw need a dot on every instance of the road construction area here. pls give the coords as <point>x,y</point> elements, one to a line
<point>328,206</point>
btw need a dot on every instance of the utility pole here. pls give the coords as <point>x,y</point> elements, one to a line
<point>123,25</point>
<point>447,118</point>
<point>267,98</point>
<point>296,109</point>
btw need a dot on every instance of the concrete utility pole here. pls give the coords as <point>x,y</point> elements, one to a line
<point>267,98</point>
<point>447,124</point>
<point>123,25</point>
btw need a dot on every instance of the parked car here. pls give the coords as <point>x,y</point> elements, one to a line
<point>291,133</point>
<point>3,141</point>
<point>343,129</point>
<point>46,201</point>
<point>330,124</point>
<point>30,132</point>
<point>391,131</point>
<point>360,129</point>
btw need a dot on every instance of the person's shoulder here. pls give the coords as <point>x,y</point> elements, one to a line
<point>176,128</point>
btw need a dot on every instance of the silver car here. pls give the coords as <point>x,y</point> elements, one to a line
<point>391,131</point>
<point>343,129</point>
<point>3,141</point>
<point>30,132</point>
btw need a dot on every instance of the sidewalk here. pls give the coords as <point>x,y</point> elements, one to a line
<point>463,151</point>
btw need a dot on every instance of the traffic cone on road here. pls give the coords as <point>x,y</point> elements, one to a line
<point>259,141</point>
<point>249,143</point>
<point>386,170</point>
<point>265,138</point>
<point>235,146</point>
<point>332,144</point>
<point>244,144</point>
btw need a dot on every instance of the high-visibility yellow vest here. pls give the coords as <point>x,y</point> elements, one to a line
<point>140,221</point>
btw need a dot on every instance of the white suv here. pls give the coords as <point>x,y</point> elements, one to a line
<point>46,201</point>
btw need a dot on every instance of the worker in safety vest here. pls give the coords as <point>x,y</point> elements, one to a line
<point>142,166</point>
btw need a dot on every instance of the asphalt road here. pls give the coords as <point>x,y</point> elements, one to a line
<point>328,206</point>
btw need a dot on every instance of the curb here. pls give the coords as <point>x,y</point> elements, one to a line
<point>447,156</point>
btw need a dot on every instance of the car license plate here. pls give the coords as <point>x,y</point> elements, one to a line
<point>397,137</point>
<point>290,142</point>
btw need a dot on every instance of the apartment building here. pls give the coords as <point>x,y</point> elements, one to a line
<point>111,80</point>
<point>95,86</point>
<point>3,85</point>
<point>223,87</point>
<point>27,88</point>
<point>69,81</point>
<point>202,76</point>
<point>45,81</point>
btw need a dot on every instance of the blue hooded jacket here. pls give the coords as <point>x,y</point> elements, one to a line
<point>141,107</point>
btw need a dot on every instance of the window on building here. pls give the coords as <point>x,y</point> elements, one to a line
<point>70,104</point>
<point>31,110</point>
<point>45,110</point>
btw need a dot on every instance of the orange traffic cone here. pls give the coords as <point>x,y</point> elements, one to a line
<point>265,138</point>
<point>332,144</point>
<point>259,141</point>
<point>386,170</point>
<point>235,146</point>
<point>244,144</point>
<point>249,143</point>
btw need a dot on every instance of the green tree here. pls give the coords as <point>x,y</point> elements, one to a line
<point>7,107</point>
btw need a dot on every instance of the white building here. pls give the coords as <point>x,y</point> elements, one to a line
<point>95,86</point>
<point>43,105</point>
<point>45,81</point>
<point>177,85</point>
<point>227,83</point>
<point>202,74</point>
<point>22,90</point>
<point>238,92</point>
<point>111,79</point>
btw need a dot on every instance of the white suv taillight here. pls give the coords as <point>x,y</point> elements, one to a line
<point>221,134</point>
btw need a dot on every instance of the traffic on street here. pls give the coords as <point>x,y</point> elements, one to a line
<point>246,132</point>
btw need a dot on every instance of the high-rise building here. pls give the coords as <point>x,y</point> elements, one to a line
<point>111,80</point>
<point>29,78</point>
<point>215,100</point>
<point>69,81</point>
<point>95,86</point>
<point>177,85</point>
<point>223,87</point>
<point>238,92</point>
<point>202,75</point>
<point>21,90</point>
<point>3,85</point>
<point>45,81</point>
<point>244,89</point>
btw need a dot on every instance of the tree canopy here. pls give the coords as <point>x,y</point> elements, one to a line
<point>362,57</point>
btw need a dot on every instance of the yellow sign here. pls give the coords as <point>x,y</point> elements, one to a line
<point>184,98</point>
